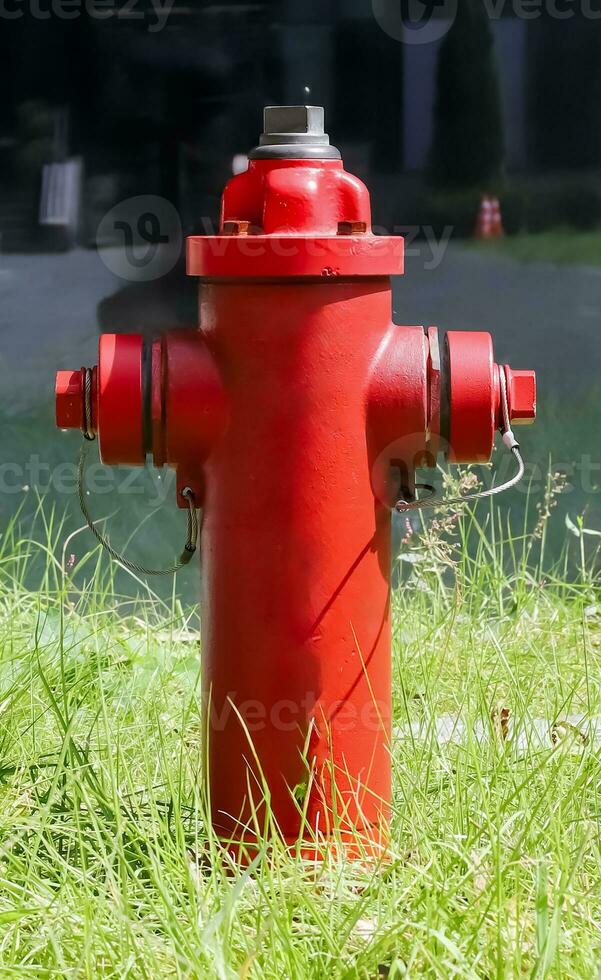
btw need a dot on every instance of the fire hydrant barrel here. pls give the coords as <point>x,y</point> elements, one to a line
<point>296,560</point>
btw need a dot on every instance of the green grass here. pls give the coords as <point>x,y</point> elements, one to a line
<point>561,246</point>
<point>109,869</point>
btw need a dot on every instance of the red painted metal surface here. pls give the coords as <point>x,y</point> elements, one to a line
<point>296,551</point>
<point>295,218</point>
<point>189,408</point>
<point>521,390</point>
<point>69,399</point>
<point>297,413</point>
<point>120,398</point>
<point>474,396</point>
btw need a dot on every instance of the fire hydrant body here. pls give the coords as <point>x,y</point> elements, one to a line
<point>297,415</point>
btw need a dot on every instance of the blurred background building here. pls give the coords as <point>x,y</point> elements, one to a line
<point>164,111</point>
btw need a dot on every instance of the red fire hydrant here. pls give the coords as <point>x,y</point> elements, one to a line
<point>297,416</point>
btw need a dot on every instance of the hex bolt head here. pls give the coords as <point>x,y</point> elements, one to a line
<point>294,132</point>
<point>521,392</point>
<point>305,120</point>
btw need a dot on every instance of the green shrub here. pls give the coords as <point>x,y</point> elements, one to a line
<point>574,202</point>
<point>455,209</point>
<point>581,206</point>
<point>527,205</point>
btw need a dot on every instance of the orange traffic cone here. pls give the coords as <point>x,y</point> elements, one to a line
<point>484,220</point>
<point>496,229</point>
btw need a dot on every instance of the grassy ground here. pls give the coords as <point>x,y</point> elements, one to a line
<point>108,868</point>
<point>558,246</point>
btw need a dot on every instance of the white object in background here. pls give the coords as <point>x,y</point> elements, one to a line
<point>61,198</point>
<point>239,164</point>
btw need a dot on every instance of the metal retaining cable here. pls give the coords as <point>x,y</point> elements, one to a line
<point>403,506</point>
<point>193,525</point>
<point>512,444</point>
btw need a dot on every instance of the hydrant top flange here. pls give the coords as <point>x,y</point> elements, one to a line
<point>295,212</point>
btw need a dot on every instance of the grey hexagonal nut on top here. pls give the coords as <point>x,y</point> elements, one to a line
<point>294,132</point>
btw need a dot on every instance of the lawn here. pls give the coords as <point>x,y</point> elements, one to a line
<point>108,867</point>
<point>558,246</point>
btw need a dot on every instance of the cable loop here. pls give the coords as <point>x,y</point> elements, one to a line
<point>88,431</point>
<point>191,541</point>
<point>403,506</point>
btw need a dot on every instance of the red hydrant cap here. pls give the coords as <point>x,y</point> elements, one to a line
<point>521,394</point>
